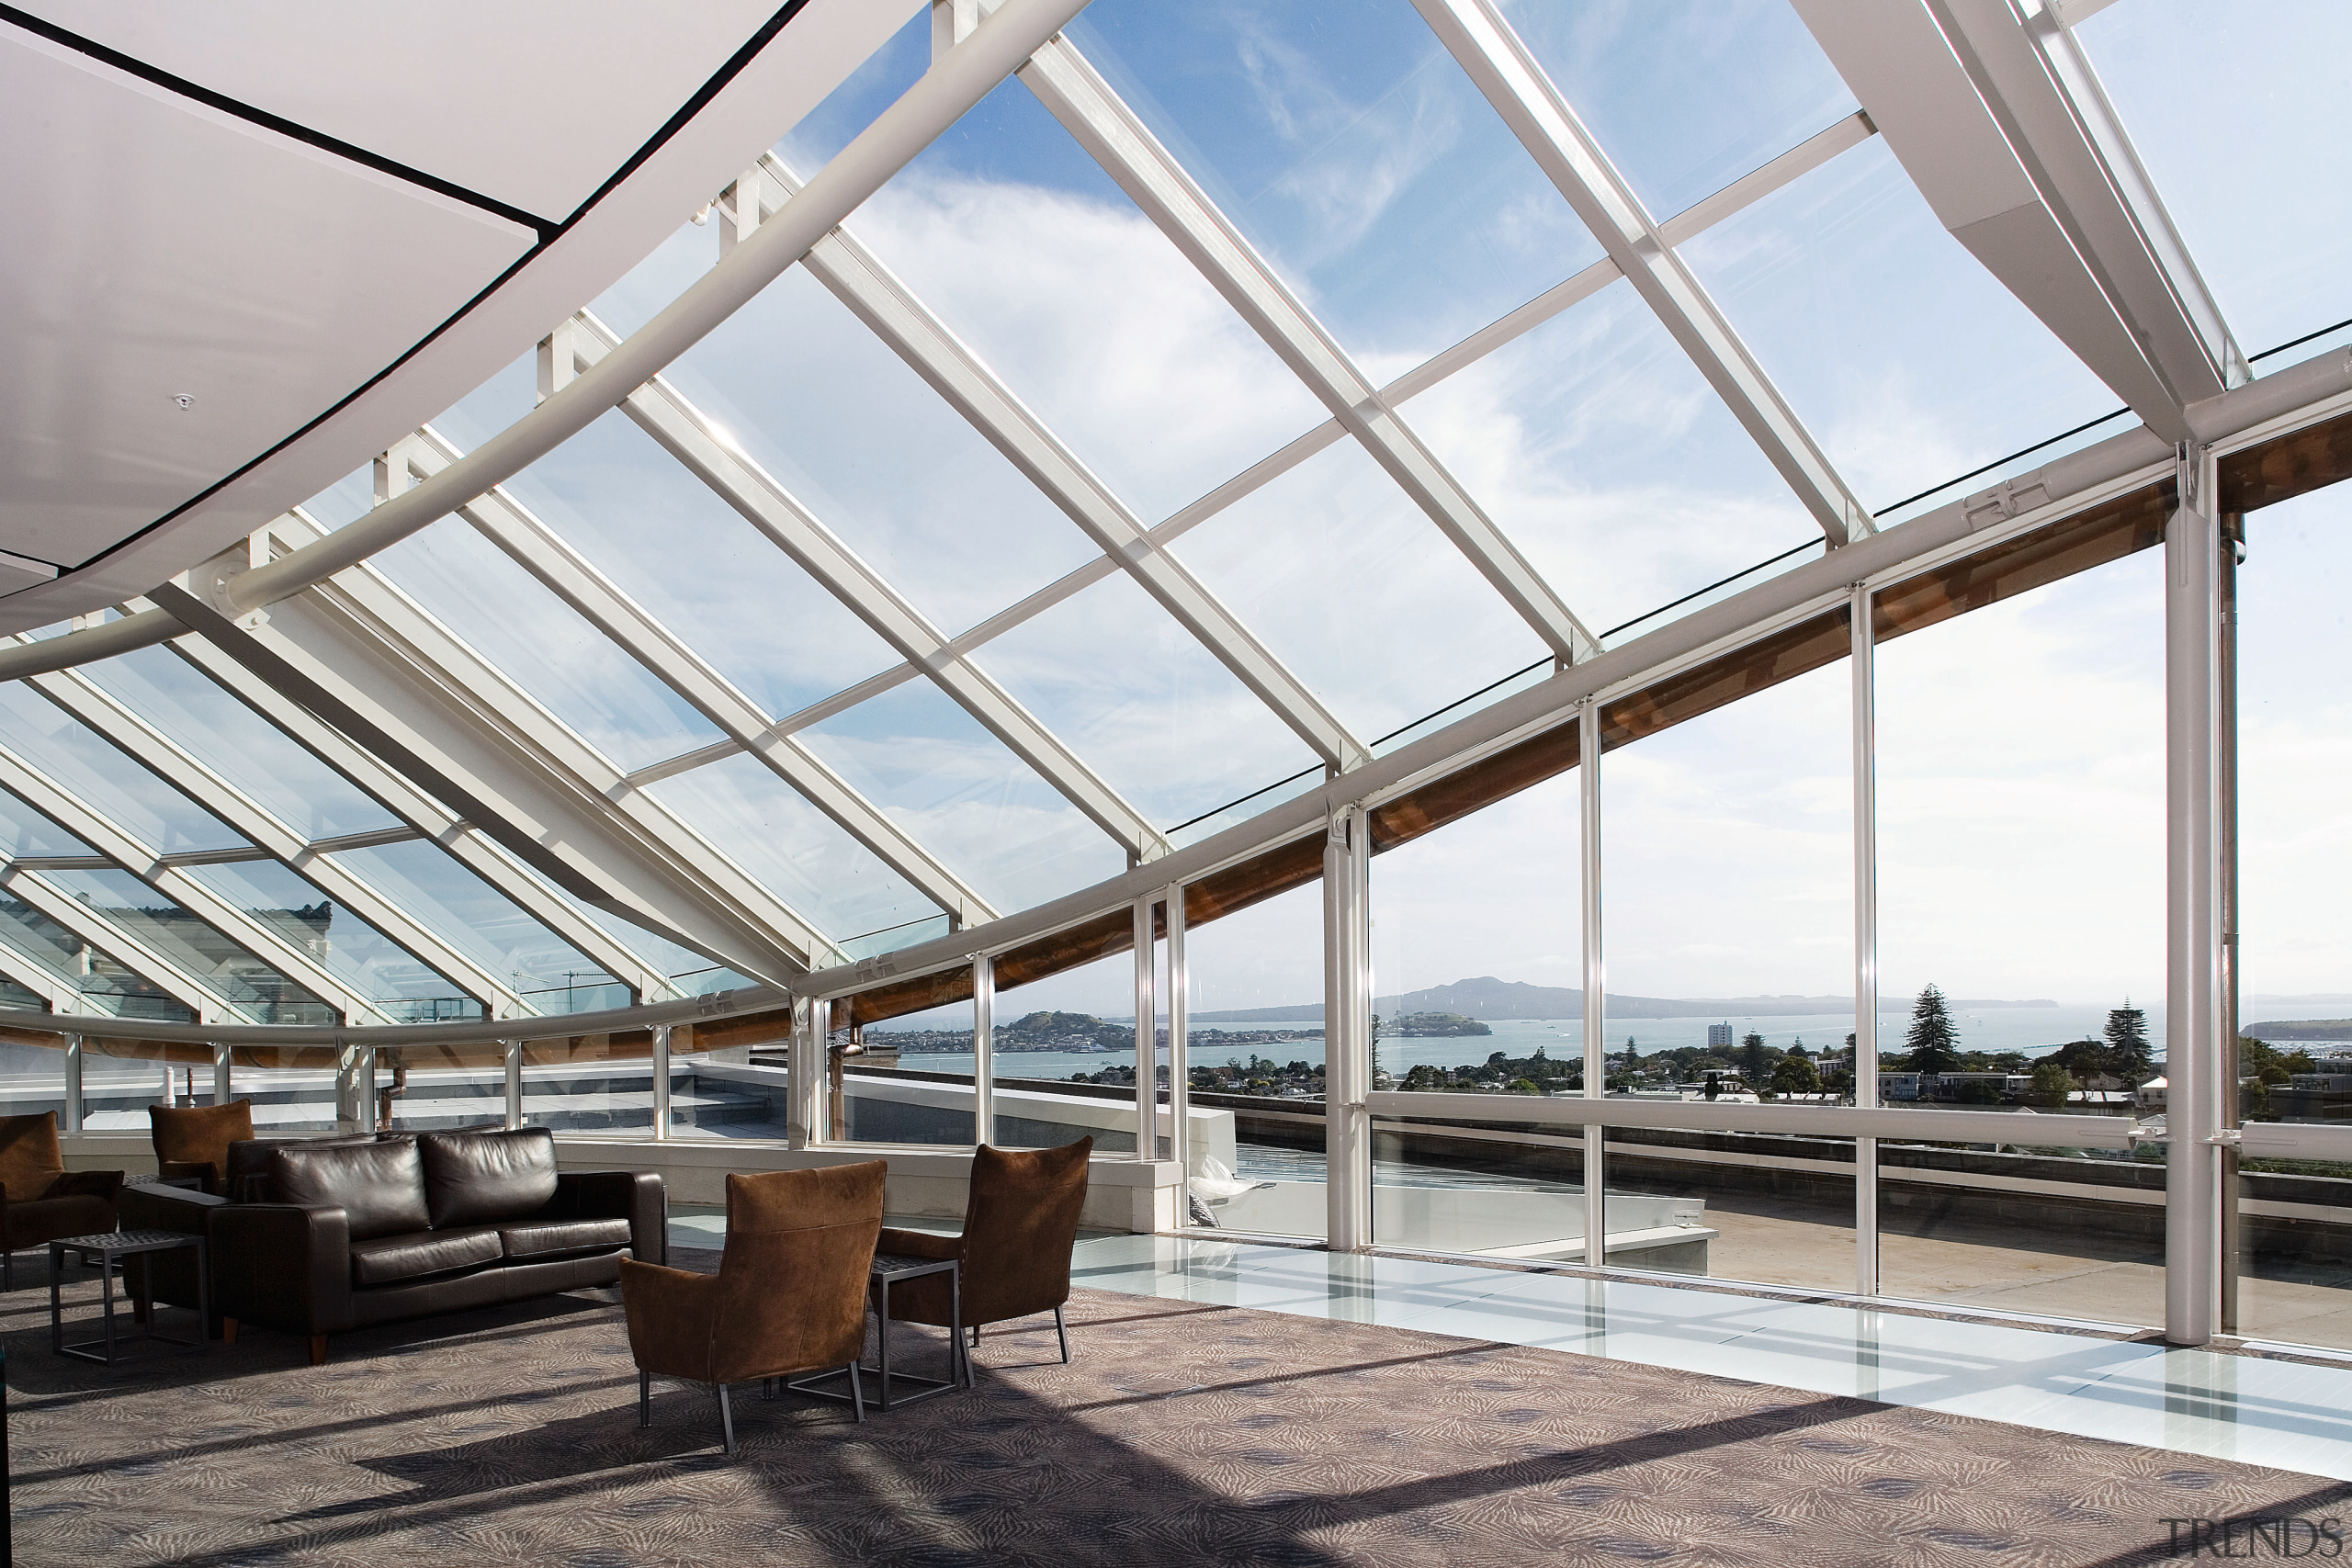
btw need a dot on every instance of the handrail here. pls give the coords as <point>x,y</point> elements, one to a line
<point>1716,1116</point>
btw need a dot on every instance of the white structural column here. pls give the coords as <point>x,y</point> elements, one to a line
<point>1478,36</point>
<point>663,412</point>
<point>101,712</point>
<point>430,820</point>
<point>540,551</point>
<point>1117,139</point>
<point>661,1082</point>
<point>983,1049</point>
<point>513,1062</point>
<point>2002,126</point>
<point>1865,763</point>
<point>885,304</point>
<point>1347,1029</point>
<point>150,866</point>
<point>221,1075</point>
<point>1595,980</point>
<point>805,1068</point>
<point>1146,955</point>
<point>1179,1067</point>
<point>72,1117</point>
<point>2193,1001</point>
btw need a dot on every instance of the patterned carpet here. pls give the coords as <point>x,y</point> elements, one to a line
<point>1182,1434</point>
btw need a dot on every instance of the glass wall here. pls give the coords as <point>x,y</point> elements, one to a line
<point>1254,1049</point>
<point>2021,951</point>
<point>2295,1217</point>
<point>1066,1059</point>
<point>904,1080</point>
<point>1728,908</point>
<point>1474,999</point>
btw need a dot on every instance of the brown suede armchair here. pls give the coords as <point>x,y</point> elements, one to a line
<point>194,1141</point>
<point>790,1295</point>
<point>41,1201</point>
<point>1020,1223</point>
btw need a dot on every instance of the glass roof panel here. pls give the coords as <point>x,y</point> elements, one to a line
<point>492,406</point>
<point>2256,187</point>
<point>1353,587</point>
<point>658,952</point>
<point>1357,157</point>
<point>800,854</point>
<point>964,796</point>
<point>76,759</point>
<point>1022,244</point>
<point>1166,724</point>
<point>1685,99</point>
<point>1597,446</point>
<point>352,950</point>
<point>1860,306</point>
<point>239,744</point>
<point>878,82</point>
<point>104,984</point>
<point>30,833</point>
<point>543,645</point>
<point>468,913</point>
<point>255,987</point>
<point>841,421</point>
<point>675,548</point>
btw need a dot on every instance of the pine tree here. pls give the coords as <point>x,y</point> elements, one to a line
<point>1753,1067</point>
<point>2126,1043</point>
<point>1933,1042</point>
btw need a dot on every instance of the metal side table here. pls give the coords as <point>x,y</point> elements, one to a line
<point>108,1247</point>
<point>888,1269</point>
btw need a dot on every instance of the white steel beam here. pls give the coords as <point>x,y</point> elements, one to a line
<point>885,304</point>
<point>83,920</point>
<point>144,862</point>
<point>1506,73</point>
<point>666,415</point>
<point>370,655</point>
<point>42,978</point>
<point>102,713</point>
<point>543,553</point>
<point>427,817</point>
<point>2002,126</point>
<point>1070,86</point>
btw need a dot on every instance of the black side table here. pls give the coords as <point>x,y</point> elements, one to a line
<point>887,1269</point>
<point>108,1247</point>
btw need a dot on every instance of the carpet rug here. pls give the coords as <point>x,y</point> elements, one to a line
<point>1180,1433</point>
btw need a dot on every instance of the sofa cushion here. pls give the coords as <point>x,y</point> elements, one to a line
<point>381,1187</point>
<point>550,1238</point>
<point>474,1178</point>
<point>387,1260</point>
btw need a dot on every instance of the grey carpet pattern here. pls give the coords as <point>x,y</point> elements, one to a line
<point>1181,1434</point>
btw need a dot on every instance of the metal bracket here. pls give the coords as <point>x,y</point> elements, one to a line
<point>2005,501</point>
<point>2226,1138</point>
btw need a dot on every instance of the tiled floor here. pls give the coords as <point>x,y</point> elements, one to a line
<point>2289,1415</point>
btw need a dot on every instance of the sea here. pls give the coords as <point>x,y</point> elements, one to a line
<point>2036,1031</point>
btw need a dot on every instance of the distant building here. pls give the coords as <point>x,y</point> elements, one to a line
<point>1719,1035</point>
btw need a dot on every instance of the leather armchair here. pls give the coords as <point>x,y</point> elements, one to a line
<point>1020,1224</point>
<point>41,1201</point>
<point>790,1295</point>
<point>194,1141</point>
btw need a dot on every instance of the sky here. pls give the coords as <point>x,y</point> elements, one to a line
<point>2020,746</point>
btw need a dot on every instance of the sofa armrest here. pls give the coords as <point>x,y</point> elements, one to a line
<point>920,1243</point>
<point>85,1184</point>
<point>145,1206</point>
<point>671,1317</point>
<point>639,1197</point>
<point>283,1265</point>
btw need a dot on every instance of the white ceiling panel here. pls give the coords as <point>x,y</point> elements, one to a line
<point>157,250</point>
<point>533,103</point>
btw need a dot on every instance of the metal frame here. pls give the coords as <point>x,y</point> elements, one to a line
<point>1347,1031</point>
<point>1864,660</point>
<point>1593,975</point>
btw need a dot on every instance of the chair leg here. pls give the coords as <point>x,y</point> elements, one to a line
<point>857,1392</point>
<point>1062,1329</point>
<point>726,1420</point>
<point>644,1399</point>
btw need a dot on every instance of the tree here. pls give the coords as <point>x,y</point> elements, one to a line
<point>2052,1084</point>
<point>2126,1043</point>
<point>1425,1078</point>
<point>1933,1042</point>
<point>1796,1047</point>
<point>1796,1075</point>
<point>1753,1067</point>
<point>1632,1055</point>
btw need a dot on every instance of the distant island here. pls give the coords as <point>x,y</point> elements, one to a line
<point>2301,1029</point>
<point>1488,997</point>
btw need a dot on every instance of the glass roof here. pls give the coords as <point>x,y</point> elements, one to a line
<point>1088,707</point>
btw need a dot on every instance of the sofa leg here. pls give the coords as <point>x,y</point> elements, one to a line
<point>645,1399</point>
<point>228,1331</point>
<point>318,1350</point>
<point>726,1421</point>
<point>1062,1330</point>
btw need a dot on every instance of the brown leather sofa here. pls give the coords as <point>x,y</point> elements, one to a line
<point>41,1201</point>
<point>362,1232</point>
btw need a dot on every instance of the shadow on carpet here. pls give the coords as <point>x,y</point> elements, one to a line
<point>1180,1433</point>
